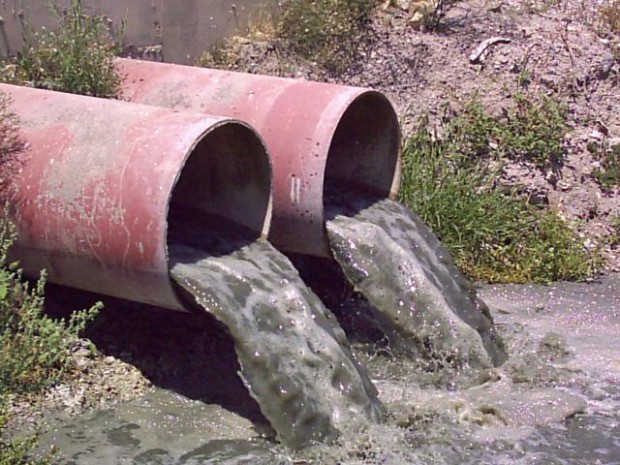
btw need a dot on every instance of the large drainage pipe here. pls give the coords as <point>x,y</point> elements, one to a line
<point>316,133</point>
<point>101,181</point>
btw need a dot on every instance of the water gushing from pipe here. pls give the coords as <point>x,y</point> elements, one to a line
<point>423,304</point>
<point>294,357</point>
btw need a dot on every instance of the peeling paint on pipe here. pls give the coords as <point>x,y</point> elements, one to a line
<point>101,180</point>
<point>316,134</point>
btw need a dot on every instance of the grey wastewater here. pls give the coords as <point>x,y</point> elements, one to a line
<point>426,308</point>
<point>295,359</point>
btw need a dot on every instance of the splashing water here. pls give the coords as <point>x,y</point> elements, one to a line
<point>423,304</point>
<point>294,357</point>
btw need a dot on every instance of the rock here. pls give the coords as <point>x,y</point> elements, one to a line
<point>420,10</point>
<point>82,358</point>
<point>603,69</point>
<point>595,136</point>
<point>553,347</point>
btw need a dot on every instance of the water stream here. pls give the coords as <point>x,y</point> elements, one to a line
<point>422,302</point>
<point>295,359</point>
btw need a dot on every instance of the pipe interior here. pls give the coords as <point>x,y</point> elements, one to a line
<point>227,175</point>
<point>365,148</point>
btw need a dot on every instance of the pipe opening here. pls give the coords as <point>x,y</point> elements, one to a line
<point>225,179</point>
<point>365,148</point>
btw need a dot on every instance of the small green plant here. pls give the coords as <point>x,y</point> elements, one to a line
<point>219,56</point>
<point>531,130</point>
<point>494,234</point>
<point>34,348</point>
<point>20,451</point>
<point>11,144</point>
<point>76,57</point>
<point>326,32</point>
<point>10,140</point>
<point>608,157</point>
<point>614,236</point>
<point>432,12</point>
<point>539,6</point>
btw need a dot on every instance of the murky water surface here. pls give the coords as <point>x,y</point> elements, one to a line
<point>556,400</point>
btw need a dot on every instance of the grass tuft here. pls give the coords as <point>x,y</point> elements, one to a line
<point>531,130</point>
<point>607,174</point>
<point>324,31</point>
<point>610,16</point>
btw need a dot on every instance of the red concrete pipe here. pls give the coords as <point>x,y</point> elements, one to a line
<point>316,134</point>
<point>101,181</point>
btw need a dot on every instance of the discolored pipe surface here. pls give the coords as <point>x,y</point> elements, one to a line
<point>101,182</point>
<point>316,133</point>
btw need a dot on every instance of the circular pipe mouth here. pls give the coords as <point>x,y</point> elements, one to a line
<point>320,135</point>
<point>365,148</point>
<point>226,178</point>
<point>224,188</point>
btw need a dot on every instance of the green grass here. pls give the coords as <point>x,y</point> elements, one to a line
<point>493,232</point>
<point>530,130</point>
<point>76,57</point>
<point>325,31</point>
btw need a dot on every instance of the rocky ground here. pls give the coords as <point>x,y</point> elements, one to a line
<point>560,44</point>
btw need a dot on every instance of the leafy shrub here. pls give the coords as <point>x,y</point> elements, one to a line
<point>494,234</point>
<point>10,140</point>
<point>11,143</point>
<point>34,348</point>
<point>76,57</point>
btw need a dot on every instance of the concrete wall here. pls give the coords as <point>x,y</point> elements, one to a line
<point>176,31</point>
